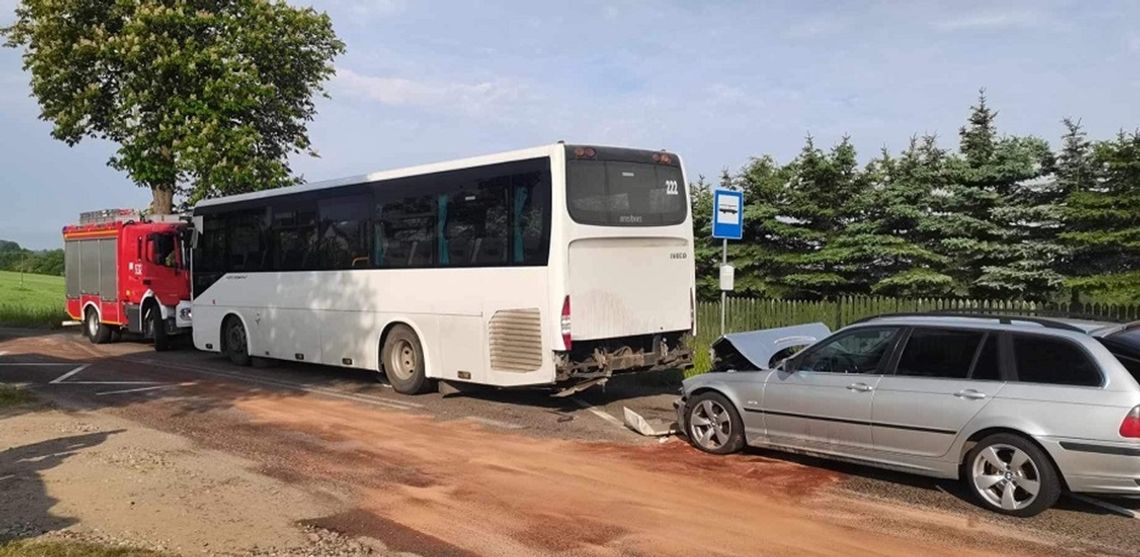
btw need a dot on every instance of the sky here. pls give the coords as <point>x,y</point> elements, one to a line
<point>717,82</point>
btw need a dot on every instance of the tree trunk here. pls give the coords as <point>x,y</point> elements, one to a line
<point>162,201</point>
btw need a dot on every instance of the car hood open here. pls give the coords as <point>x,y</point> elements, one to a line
<point>758,347</point>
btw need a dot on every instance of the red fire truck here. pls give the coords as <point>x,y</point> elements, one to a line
<point>126,273</point>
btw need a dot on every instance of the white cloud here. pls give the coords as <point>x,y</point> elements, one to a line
<point>995,20</point>
<point>471,98</point>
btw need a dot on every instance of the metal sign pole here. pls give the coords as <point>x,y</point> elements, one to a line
<point>728,224</point>
<point>723,293</point>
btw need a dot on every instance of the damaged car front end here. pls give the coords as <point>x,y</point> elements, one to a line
<point>736,354</point>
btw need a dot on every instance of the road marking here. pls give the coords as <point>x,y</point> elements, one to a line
<point>393,404</point>
<point>1107,506</point>
<point>495,423</point>
<point>142,389</point>
<point>64,377</point>
<point>599,413</point>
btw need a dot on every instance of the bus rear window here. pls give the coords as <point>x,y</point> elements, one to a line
<point>618,193</point>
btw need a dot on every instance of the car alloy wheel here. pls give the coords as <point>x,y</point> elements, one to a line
<point>710,425</point>
<point>1006,477</point>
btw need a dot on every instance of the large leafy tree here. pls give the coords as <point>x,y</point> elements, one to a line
<point>203,97</point>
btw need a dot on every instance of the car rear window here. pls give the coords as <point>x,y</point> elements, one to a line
<point>1056,361</point>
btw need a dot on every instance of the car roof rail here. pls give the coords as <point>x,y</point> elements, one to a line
<point>1000,318</point>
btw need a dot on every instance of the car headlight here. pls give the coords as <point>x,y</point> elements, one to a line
<point>184,314</point>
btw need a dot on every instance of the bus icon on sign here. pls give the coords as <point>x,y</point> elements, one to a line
<point>728,220</point>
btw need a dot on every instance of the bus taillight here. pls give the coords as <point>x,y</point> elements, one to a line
<point>565,322</point>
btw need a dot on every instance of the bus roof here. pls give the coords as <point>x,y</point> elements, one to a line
<point>457,164</point>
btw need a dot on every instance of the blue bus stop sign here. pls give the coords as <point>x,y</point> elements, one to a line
<point>728,214</point>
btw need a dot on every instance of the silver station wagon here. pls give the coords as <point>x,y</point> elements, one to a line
<point>1018,408</point>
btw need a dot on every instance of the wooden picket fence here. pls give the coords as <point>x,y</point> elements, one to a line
<point>746,314</point>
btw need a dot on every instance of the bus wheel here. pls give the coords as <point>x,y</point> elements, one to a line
<point>96,332</point>
<point>402,359</point>
<point>235,343</point>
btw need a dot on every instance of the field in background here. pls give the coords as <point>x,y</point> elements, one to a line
<point>747,314</point>
<point>28,300</point>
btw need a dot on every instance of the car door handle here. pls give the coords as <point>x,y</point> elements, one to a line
<point>970,394</point>
<point>860,387</point>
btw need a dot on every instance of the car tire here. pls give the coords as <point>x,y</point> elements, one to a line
<point>402,361</point>
<point>713,424</point>
<point>1011,475</point>
<point>235,342</point>
<point>96,331</point>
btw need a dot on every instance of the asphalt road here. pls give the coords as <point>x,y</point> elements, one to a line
<point>193,394</point>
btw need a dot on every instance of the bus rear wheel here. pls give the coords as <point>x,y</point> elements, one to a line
<point>94,329</point>
<point>402,360</point>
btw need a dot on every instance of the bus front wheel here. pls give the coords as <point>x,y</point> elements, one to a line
<point>402,360</point>
<point>235,342</point>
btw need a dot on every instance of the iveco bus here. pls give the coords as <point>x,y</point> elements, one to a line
<point>557,265</point>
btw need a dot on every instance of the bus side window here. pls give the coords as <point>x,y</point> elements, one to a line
<point>344,232</point>
<point>529,227</point>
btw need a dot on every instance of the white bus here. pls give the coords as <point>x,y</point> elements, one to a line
<point>558,265</point>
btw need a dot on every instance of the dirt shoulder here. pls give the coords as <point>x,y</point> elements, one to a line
<point>105,479</point>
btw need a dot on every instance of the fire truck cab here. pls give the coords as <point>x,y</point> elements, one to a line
<point>125,273</point>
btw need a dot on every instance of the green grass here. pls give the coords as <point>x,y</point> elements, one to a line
<point>70,549</point>
<point>11,396</point>
<point>28,300</point>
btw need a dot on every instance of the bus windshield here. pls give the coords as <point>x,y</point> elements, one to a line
<point>619,193</point>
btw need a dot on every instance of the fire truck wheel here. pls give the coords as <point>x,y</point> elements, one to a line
<point>97,333</point>
<point>234,341</point>
<point>158,330</point>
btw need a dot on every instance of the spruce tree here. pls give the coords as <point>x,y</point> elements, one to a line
<point>815,210</point>
<point>1103,223</point>
<point>889,249</point>
<point>757,259</point>
<point>987,216</point>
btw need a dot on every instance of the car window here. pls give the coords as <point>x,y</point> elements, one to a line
<point>1125,346</point>
<point>987,367</point>
<point>943,353</point>
<point>1043,359</point>
<point>860,351</point>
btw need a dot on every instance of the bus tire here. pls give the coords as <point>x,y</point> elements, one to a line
<point>158,328</point>
<point>95,330</point>
<point>235,342</point>
<point>402,361</point>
